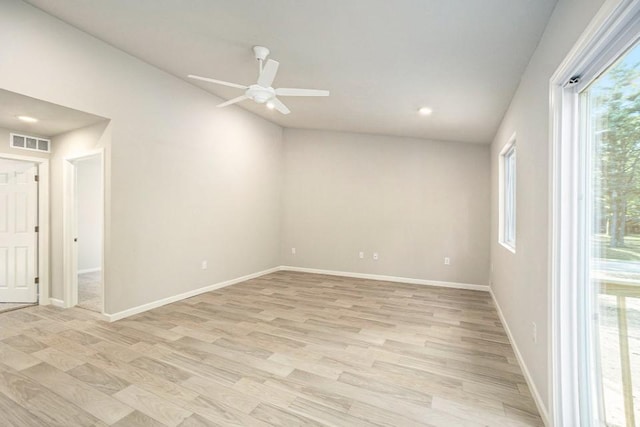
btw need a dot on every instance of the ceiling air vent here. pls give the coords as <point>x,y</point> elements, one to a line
<point>33,143</point>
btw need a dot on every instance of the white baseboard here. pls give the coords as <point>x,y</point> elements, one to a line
<point>542,408</point>
<point>89,270</point>
<point>57,302</point>
<point>158,303</point>
<point>468,286</point>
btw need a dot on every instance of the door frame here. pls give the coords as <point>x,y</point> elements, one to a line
<point>70,222</point>
<point>43,222</point>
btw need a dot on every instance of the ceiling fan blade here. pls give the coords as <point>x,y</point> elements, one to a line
<point>286,91</point>
<point>232,101</point>
<point>278,105</point>
<point>219,82</point>
<point>268,73</point>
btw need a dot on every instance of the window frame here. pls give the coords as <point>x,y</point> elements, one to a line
<point>573,377</point>
<point>507,182</point>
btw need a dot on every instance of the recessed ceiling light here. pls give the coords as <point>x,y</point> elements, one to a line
<point>270,105</point>
<point>425,111</point>
<point>27,119</point>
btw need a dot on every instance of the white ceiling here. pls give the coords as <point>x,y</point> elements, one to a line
<point>381,59</point>
<point>52,119</point>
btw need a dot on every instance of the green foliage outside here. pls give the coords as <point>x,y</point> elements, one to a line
<point>630,251</point>
<point>615,111</point>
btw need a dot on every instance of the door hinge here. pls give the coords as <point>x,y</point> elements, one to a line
<point>37,229</point>
<point>36,178</point>
<point>36,280</point>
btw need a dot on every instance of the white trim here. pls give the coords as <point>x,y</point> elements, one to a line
<point>43,223</point>
<point>542,408</point>
<point>468,286</point>
<point>507,247</point>
<point>164,301</point>
<point>57,302</point>
<point>89,270</point>
<point>595,49</point>
<point>69,219</point>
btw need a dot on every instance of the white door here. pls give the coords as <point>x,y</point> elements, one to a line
<point>18,236</point>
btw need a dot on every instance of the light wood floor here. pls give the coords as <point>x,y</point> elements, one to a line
<point>10,306</point>
<point>90,291</point>
<point>283,349</point>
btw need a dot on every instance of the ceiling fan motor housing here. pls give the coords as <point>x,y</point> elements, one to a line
<point>260,52</point>
<point>260,94</point>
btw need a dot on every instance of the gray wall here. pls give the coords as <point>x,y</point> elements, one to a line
<point>412,201</point>
<point>188,182</point>
<point>520,280</point>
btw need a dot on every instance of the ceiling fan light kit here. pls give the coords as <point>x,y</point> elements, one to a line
<point>262,92</point>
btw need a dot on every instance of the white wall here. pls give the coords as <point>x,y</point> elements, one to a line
<point>520,280</point>
<point>89,213</point>
<point>412,201</point>
<point>187,181</point>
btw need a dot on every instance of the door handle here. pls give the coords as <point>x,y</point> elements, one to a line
<point>75,239</point>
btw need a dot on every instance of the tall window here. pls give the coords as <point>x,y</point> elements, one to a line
<point>507,233</point>
<point>610,111</point>
<point>595,224</point>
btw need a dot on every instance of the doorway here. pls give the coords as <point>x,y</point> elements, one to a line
<point>84,225</point>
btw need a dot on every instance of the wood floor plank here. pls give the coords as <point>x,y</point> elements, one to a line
<point>42,402</point>
<point>277,417</point>
<point>58,359</point>
<point>138,419</point>
<point>143,379</point>
<point>196,420</point>
<point>221,414</point>
<point>15,415</point>
<point>24,343</point>
<point>98,378</point>
<point>91,400</point>
<point>15,358</point>
<point>152,405</point>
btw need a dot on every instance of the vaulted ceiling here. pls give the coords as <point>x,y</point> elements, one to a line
<point>381,59</point>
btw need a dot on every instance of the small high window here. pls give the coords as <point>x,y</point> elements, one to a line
<point>508,196</point>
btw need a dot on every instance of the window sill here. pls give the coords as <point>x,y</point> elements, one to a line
<point>511,249</point>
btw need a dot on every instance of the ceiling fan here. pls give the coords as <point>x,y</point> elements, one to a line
<point>262,92</point>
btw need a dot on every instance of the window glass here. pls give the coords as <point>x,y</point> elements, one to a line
<point>610,110</point>
<point>508,197</point>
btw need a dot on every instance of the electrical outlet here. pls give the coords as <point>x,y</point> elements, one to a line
<point>534,332</point>
<point>375,256</point>
<point>204,265</point>
<point>293,251</point>
<point>447,260</point>
<point>361,255</point>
